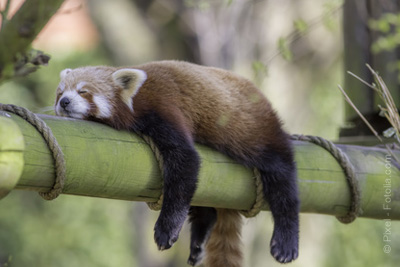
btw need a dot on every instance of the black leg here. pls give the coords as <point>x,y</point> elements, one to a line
<point>279,178</point>
<point>181,165</point>
<point>202,220</point>
<point>280,189</point>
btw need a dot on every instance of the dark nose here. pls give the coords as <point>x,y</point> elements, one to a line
<point>64,102</point>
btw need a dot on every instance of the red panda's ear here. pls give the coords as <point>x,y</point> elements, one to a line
<point>130,80</point>
<point>64,73</point>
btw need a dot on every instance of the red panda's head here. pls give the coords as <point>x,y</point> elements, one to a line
<point>96,92</point>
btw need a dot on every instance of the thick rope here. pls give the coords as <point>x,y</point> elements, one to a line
<point>342,159</point>
<point>157,204</point>
<point>52,143</point>
<point>256,208</point>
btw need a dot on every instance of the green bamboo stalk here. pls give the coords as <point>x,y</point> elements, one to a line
<point>11,154</point>
<point>103,162</point>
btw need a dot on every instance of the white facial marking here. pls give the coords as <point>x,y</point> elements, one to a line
<point>77,108</point>
<point>80,85</point>
<point>62,86</point>
<point>103,106</point>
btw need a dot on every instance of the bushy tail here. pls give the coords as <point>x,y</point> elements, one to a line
<point>224,247</point>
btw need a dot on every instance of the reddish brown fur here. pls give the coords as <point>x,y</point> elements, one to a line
<point>179,91</point>
<point>224,246</point>
<point>210,106</point>
<point>232,112</point>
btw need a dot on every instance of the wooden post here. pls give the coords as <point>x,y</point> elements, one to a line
<point>357,47</point>
<point>384,62</point>
<point>103,162</point>
<point>358,38</point>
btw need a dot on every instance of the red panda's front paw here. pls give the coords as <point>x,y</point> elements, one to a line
<point>164,239</point>
<point>284,248</point>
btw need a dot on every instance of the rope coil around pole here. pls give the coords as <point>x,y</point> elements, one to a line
<point>259,201</point>
<point>51,142</point>
<point>348,168</point>
<point>157,204</point>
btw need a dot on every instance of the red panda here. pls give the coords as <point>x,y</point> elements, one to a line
<point>179,103</point>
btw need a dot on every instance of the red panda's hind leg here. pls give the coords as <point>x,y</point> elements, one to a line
<point>278,175</point>
<point>202,220</point>
<point>279,178</point>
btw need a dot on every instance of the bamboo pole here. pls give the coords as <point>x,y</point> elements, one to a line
<point>103,162</point>
<point>11,155</point>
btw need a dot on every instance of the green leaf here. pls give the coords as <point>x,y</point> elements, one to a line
<point>283,47</point>
<point>259,68</point>
<point>301,25</point>
<point>260,71</point>
<point>228,2</point>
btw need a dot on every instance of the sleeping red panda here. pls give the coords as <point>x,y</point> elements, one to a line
<point>176,104</point>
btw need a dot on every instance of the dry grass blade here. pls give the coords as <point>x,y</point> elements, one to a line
<point>361,80</point>
<point>359,113</point>
<point>390,111</point>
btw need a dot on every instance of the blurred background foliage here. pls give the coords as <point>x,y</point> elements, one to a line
<point>388,25</point>
<point>292,49</point>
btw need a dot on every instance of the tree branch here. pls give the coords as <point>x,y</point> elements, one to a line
<point>17,34</point>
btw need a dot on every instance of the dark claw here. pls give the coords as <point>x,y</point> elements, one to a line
<point>163,239</point>
<point>284,249</point>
